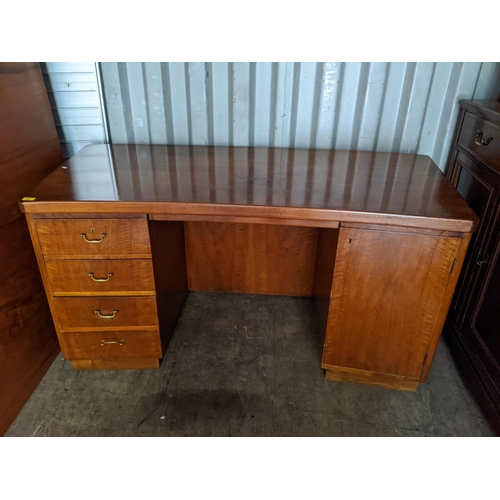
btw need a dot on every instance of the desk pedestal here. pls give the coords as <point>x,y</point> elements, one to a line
<point>390,294</point>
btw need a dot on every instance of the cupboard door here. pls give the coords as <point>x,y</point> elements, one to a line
<point>387,295</point>
<point>484,316</point>
<point>480,187</point>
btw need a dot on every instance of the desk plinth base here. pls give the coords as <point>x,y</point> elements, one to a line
<point>115,363</point>
<point>388,381</point>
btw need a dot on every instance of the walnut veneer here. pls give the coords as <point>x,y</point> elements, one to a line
<point>29,151</point>
<point>122,232</point>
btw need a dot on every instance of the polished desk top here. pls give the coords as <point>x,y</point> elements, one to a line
<point>311,185</point>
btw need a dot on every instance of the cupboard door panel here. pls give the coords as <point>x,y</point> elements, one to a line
<point>485,322</point>
<point>480,187</point>
<point>387,293</point>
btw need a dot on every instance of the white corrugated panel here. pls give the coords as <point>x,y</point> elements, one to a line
<point>74,98</point>
<point>398,107</point>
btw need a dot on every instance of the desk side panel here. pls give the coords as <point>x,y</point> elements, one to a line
<point>169,268</point>
<point>323,275</point>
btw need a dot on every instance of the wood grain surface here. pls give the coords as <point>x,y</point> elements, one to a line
<point>385,380</point>
<point>250,258</point>
<point>113,237</point>
<point>80,313</point>
<point>112,344</point>
<point>388,291</point>
<point>29,144</point>
<point>29,151</point>
<point>445,306</point>
<point>116,364</point>
<point>300,184</point>
<point>83,277</point>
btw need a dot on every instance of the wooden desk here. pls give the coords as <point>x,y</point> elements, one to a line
<point>122,232</point>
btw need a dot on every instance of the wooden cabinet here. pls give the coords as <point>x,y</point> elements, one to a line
<point>473,323</point>
<point>101,289</point>
<point>390,293</point>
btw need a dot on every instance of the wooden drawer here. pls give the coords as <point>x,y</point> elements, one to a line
<point>87,313</point>
<point>97,238</point>
<point>112,344</point>
<point>487,153</point>
<point>85,277</point>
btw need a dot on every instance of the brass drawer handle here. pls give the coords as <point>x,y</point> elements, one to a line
<point>119,342</point>
<point>100,280</point>
<point>84,236</point>
<point>479,140</point>
<point>106,316</point>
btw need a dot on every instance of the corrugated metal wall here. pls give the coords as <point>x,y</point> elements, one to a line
<point>400,107</point>
<point>74,97</point>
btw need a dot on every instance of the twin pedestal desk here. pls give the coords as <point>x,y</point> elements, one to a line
<point>122,232</point>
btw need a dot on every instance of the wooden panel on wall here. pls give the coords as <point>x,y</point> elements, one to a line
<point>250,258</point>
<point>29,150</point>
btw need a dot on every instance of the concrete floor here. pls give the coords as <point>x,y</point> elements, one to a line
<point>242,365</point>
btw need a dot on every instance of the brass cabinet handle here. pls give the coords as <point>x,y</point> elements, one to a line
<point>106,316</point>
<point>119,342</point>
<point>84,236</point>
<point>100,280</point>
<point>479,140</point>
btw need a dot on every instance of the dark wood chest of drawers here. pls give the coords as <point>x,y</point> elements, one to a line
<point>473,323</point>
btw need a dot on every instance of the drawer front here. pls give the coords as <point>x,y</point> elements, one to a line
<point>84,313</point>
<point>98,277</point>
<point>112,344</point>
<point>122,238</point>
<point>475,133</point>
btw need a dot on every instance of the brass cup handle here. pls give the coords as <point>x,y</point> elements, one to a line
<point>119,342</point>
<point>100,280</point>
<point>106,316</point>
<point>479,140</point>
<point>84,236</point>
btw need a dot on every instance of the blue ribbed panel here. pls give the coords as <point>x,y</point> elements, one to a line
<point>74,98</point>
<point>398,107</point>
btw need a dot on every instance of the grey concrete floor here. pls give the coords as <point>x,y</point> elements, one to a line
<point>243,365</point>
